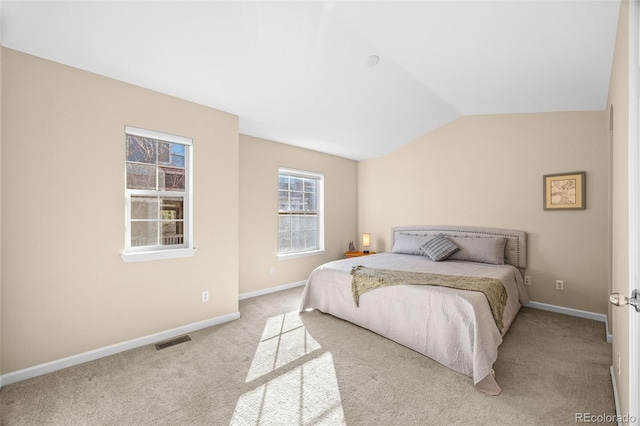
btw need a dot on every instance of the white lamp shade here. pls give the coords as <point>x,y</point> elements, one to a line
<point>366,240</point>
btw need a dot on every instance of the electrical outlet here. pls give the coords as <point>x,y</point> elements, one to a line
<point>559,285</point>
<point>527,280</point>
<point>272,271</point>
<point>205,296</point>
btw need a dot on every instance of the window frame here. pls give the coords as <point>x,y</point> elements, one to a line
<point>319,177</point>
<point>156,252</point>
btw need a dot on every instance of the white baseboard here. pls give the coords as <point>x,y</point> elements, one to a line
<point>573,312</point>
<point>271,290</point>
<point>615,393</point>
<point>70,361</point>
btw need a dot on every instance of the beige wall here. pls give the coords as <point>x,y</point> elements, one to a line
<point>619,99</point>
<point>65,289</point>
<point>487,171</point>
<point>259,162</point>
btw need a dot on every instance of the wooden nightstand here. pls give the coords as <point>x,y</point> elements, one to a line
<point>357,254</point>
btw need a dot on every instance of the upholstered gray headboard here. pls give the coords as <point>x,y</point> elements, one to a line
<point>515,250</point>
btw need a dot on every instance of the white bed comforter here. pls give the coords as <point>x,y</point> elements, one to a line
<point>454,327</point>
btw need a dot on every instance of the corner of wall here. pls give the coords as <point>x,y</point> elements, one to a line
<point>260,269</point>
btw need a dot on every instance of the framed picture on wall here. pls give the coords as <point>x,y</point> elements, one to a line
<point>565,191</point>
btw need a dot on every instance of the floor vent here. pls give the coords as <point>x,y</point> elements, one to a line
<point>173,342</point>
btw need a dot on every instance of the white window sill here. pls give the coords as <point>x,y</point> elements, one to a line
<point>300,254</point>
<point>157,255</point>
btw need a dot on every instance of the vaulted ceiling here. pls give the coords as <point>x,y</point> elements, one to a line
<point>299,72</point>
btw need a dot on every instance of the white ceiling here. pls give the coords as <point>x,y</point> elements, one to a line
<point>295,72</point>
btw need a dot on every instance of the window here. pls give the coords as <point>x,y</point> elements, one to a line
<point>300,210</point>
<point>158,195</point>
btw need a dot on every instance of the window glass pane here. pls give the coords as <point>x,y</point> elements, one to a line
<point>310,202</point>
<point>164,153</point>
<point>144,207</point>
<point>310,185</point>
<point>284,242</point>
<point>144,233</point>
<point>141,150</point>
<point>141,176</point>
<point>177,155</point>
<point>283,182</point>
<point>296,183</point>
<point>284,222</point>
<point>177,160</point>
<point>310,223</point>
<point>297,223</point>
<point>171,179</point>
<point>310,240</point>
<point>297,241</point>
<point>283,200</point>
<point>296,201</point>
<point>172,232</point>
<point>171,208</point>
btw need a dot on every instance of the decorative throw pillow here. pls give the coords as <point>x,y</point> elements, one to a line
<point>479,249</point>
<point>409,243</point>
<point>439,248</point>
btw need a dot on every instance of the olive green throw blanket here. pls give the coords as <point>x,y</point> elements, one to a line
<point>365,279</point>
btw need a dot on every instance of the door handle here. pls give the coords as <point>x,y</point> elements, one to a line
<point>619,300</point>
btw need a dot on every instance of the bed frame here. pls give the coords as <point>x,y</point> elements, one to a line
<point>515,250</point>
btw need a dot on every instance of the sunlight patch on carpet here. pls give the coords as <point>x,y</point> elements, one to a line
<point>284,339</point>
<point>307,394</point>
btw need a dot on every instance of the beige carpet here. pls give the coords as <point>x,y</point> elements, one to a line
<point>275,367</point>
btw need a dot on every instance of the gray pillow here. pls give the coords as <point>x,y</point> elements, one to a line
<point>409,243</point>
<point>479,249</point>
<point>439,248</point>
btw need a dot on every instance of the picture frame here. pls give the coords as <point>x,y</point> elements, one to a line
<point>565,191</point>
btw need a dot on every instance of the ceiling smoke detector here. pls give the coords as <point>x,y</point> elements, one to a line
<point>373,60</point>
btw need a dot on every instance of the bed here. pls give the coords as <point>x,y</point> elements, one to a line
<point>457,328</point>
